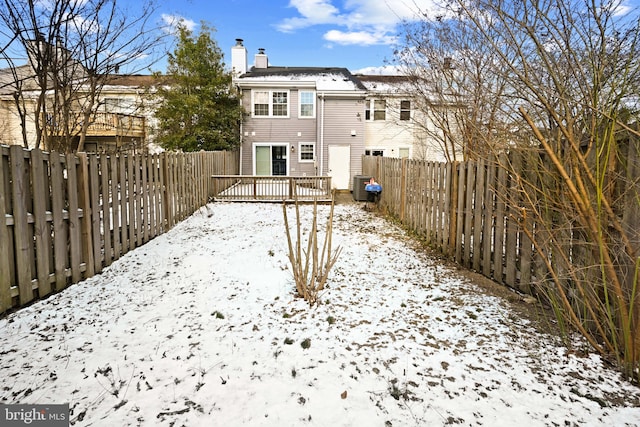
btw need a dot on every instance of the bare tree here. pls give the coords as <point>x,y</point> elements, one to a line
<point>73,49</point>
<point>562,82</point>
<point>457,90</point>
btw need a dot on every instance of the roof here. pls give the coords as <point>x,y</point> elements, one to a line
<point>385,83</point>
<point>132,80</point>
<point>326,78</point>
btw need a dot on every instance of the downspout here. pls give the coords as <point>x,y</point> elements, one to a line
<point>241,130</point>
<point>322,134</point>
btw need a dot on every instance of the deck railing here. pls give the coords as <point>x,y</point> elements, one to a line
<point>245,188</point>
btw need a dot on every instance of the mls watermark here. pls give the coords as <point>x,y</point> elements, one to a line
<point>34,415</point>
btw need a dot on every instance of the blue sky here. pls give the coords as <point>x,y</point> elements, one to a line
<point>356,34</point>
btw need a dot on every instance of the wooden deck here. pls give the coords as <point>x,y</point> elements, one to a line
<point>245,188</point>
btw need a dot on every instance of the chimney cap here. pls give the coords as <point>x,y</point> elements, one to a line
<point>261,51</point>
<point>239,42</point>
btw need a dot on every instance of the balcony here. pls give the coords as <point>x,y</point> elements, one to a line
<point>115,124</point>
<point>109,125</point>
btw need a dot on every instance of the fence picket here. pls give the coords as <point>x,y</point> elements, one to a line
<point>22,238</point>
<point>5,272</point>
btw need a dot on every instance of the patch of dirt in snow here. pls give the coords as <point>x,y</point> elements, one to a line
<point>201,327</point>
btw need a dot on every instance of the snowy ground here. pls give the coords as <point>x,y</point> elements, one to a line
<point>200,327</point>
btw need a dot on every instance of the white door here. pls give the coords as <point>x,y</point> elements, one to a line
<point>339,166</point>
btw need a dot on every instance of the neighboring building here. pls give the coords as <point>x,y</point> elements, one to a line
<point>389,116</point>
<point>120,122</point>
<point>396,124</point>
<point>300,121</point>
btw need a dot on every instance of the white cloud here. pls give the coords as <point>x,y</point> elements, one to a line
<point>363,38</point>
<point>364,22</point>
<point>171,22</point>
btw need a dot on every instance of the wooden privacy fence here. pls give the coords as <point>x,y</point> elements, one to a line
<point>460,210</point>
<point>64,217</point>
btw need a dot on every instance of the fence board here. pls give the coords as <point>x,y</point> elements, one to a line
<point>460,211</point>
<point>468,212</point>
<point>139,209</point>
<point>131,207</point>
<point>5,272</point>
<point>60,226</point>
<point>84,202</point>
<point>512,240</point>
<point>22,237</point>
<point>105,198</point>
<point>115,205</point>
<point>478,214</point>
<point>42,230</point>
<point>124,209</point>
<point>489,219</point>
<point>94,203</point>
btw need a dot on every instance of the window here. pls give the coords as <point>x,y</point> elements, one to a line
<point>307,151</point>
<point>270,103</point>
<point>260,103</point>
<point>307,103</point>
<point>280,104</point>
<point>374,152</point>
<point>405,110</point>
<point>403,152</point>
<point>379,109</point>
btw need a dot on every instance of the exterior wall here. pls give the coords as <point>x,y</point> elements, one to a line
<point>10,128</point>
<point>342,117</point>
<point>342,124</point>
<point>290,130</point>
<point>391,134</point>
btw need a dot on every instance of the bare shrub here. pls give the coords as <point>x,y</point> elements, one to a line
<point>311,267</point>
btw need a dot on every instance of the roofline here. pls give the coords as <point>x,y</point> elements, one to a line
<point>291,84</point>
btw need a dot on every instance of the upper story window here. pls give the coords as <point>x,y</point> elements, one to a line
<point>307,103</point>
<point>405,110</point>
<point>270,103</point>
<point>379,109</point>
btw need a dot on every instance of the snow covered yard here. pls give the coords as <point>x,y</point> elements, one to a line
<point>200,327</point>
